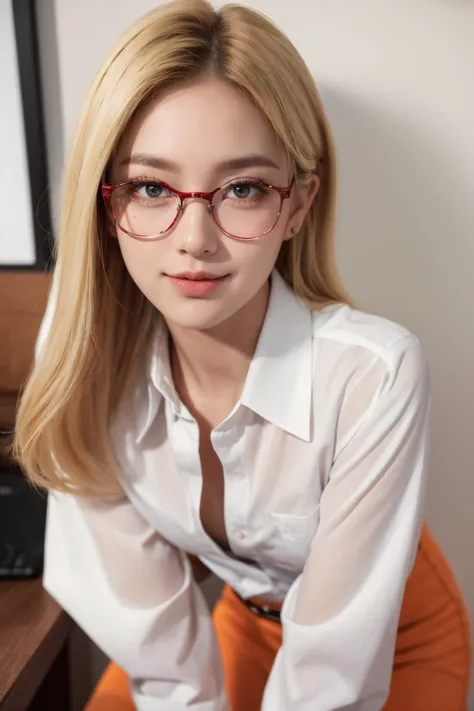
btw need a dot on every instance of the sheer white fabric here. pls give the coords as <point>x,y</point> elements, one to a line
<point>324,467</point>
<point>127,588</point>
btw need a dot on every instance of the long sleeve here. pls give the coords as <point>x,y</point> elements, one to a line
<point>134,595</point>
<point>340,616</point>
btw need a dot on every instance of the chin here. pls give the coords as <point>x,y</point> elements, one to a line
<point>197,315</point>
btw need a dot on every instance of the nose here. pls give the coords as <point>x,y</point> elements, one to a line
<point>196,233</point>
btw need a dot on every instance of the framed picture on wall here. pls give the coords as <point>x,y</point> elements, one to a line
<point>25,220</point>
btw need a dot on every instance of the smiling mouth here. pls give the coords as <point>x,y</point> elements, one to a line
<point>198,276</point>
<point>198,284</point>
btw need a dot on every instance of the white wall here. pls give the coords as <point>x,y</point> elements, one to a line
<point>397,80</point>
<point>17,239</point>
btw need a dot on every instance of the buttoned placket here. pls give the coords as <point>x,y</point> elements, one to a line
<point>226,439</point>
<point>228,443</point>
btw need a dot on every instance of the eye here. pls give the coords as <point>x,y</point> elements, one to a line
<point>245,190</point>
<point>150,190</point>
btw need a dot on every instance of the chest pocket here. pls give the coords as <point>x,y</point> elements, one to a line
<point>291,538</point>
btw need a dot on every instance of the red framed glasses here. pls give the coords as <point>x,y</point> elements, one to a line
<point>244,208</point>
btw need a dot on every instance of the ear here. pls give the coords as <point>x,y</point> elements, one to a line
<point>302,198</point>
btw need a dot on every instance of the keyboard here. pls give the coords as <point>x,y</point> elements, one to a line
<point>22,527</point>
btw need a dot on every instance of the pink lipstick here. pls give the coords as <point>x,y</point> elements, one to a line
<point>196,283</point>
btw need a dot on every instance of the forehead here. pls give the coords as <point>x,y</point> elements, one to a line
<point>200,124</point>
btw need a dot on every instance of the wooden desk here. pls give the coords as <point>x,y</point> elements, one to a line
<point>34,631</point>
<point>34,674</point>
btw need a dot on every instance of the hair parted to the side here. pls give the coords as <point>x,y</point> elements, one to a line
<point>102,323</point>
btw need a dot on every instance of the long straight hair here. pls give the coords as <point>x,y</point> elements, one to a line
<point>101,322</point>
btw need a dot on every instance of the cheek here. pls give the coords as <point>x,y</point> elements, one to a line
<point>142,259</point>
<point>259,256</point>
<point>253,264</point>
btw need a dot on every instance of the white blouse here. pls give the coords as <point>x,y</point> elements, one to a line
<point>324,466</point>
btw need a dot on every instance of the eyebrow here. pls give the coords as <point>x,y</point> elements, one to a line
<point>251,161</point>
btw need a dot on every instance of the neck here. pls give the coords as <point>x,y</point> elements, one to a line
<point>218,359</point>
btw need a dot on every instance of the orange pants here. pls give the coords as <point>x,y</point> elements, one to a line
<point>432,659</point>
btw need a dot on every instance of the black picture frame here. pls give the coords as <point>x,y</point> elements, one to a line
<point>26,37</point>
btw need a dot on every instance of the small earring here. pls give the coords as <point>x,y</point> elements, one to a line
<point>292,230</point>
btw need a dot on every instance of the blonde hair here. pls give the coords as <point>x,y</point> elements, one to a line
<point>102,322</point>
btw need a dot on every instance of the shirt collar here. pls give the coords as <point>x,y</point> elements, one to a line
<point>278,386</point>
<point>279,380</point>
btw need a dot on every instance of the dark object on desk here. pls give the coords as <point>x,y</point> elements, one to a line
<point>22,527</point>
<point>34,634</point>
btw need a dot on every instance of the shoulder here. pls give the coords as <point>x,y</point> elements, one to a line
<point>353,341</point>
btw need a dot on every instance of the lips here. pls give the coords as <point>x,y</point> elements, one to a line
<point>197,284</point>
<point>196,276</point>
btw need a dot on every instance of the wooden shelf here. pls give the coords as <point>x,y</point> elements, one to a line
<point>8,403</point>
<point>23,298</point>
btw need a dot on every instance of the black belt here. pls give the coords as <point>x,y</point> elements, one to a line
<point>268,613</point>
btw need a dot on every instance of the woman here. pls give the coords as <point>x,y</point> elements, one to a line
<point>205,391</point>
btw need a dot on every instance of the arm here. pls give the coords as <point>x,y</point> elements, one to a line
<point>340,617</point>
<point>134,595</point>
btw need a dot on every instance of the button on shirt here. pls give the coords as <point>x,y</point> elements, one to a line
<point>324,466</point>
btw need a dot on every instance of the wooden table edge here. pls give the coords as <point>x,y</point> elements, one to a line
<point>22,690</point>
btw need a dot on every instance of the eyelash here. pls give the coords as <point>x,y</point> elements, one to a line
<point>146,180</point>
